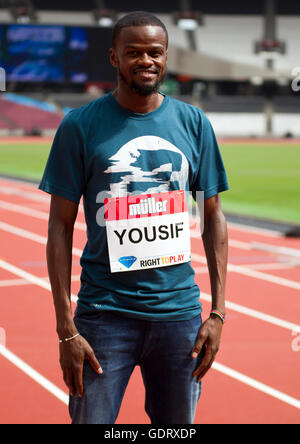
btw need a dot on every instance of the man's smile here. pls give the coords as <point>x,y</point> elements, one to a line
<point>145,74</point>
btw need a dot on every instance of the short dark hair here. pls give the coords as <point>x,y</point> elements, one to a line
<point>137,18</point>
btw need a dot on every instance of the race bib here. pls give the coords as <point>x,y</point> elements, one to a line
<point>147,231</point>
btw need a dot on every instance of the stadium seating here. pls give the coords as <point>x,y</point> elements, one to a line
<point>14,116</point>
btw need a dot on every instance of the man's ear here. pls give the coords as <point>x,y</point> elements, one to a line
<point>113,57</point>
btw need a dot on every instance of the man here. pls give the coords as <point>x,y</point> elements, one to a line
<point>135,142</point>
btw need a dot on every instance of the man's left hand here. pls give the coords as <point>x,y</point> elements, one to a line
<point>209,337</point>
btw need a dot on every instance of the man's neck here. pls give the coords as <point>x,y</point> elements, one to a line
<point>136,103</point>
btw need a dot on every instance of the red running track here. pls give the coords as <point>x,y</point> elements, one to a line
<point>255,378</point>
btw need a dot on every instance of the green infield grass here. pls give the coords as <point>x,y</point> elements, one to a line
<point>23,160</point>
<point>264,178</point>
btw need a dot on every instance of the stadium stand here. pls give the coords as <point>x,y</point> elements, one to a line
<point>31,120</point>
<point>223,63</point>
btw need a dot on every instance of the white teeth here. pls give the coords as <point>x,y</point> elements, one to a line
<point>145,72</point>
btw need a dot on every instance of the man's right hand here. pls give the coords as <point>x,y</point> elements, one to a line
<point>72,356</point>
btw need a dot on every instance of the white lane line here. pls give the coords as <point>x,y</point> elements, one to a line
<point>248,229</point>
<point>23,210</point>
<point>253,273</point>
<point>77,252</point>
<point>254,230</point>
<point>23,233</point>
<point>63,397</point>
<point>40,282</point>
<point>272,392</point>
<point>204,296</point>
<point>31,236</point>
<point>256,385</point>
<point>267,266</point>
<point>17,282</point>
<point>264,276</point>
<point>276,249</point>
<point>42,215</point>
<point>33,374</point>
<point>29,195</point>
<point>38,195</point>
<point>274,265</point>
<point>201,270</point>
<point>2,336</point>
<point>250,246</point>
<point>239,244</point>
<point>196,257</point>
<point>231,242</point>
<point>13,282</point>
<point>194,234</point>
<point>255,314</point>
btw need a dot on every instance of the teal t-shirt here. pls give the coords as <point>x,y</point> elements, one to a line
<point>104,149</point>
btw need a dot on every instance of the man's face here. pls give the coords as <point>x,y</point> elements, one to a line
<point>140,56</point>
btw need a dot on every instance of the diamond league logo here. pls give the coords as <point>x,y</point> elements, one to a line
<point>128,261</point>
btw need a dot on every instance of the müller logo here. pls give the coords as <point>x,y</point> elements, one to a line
<point>144,206</point>
<point>148,206</point>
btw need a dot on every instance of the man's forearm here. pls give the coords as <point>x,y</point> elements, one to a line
<point>59,259</point>
<point>215,241</point>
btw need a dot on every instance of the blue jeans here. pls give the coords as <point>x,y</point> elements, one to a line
<point>163,352</point>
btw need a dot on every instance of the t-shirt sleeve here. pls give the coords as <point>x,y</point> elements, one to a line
<point>64,172</point>
<point>211,176</point>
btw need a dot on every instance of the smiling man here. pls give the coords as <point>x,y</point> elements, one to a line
<point>140,57</point>
<point>133,155</point>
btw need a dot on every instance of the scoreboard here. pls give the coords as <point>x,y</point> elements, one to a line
<point>49,53</point>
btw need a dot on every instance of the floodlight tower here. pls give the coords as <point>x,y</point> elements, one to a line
<point>269,47</point>
<point>104,17</point>
<point>189,20</point>
<point>22,11</point>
